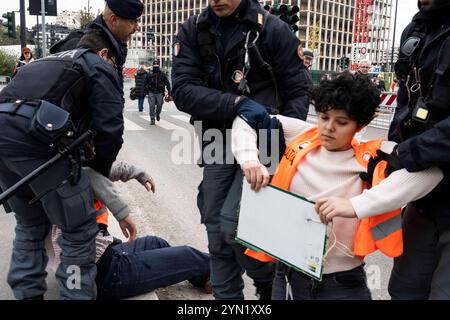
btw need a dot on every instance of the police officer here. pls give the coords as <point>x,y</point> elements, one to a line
<point>234,59</point>
<point>84,83</point>
<point>120,19</point>
<point>422,128</point>
<point>156,84</point>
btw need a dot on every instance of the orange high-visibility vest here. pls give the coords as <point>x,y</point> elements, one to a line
<point>381,232</point>
<point>102,212</point>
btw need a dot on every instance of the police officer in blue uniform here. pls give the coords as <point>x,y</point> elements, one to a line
<point>120,19</point>
<point>81,83</point>
<point>234,59</point>
<point>422,127</point>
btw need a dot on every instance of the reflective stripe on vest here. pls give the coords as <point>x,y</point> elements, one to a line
<point>382,232</point>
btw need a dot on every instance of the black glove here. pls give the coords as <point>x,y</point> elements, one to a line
<point>253,113</point>
<point>392,160</point>
<point>274,124</point>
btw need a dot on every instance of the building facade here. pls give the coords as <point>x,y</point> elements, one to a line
<point>359,29</point>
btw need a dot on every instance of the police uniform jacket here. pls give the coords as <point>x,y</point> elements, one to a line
<point>203,85</point>
<point>98,102</point>
<point>422,146</point>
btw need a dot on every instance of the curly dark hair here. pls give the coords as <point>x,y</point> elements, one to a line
<point>355,94</point>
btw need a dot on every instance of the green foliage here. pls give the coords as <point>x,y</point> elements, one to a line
<point>5,40</point>
<point>86,17</point>
<point>7,63</point>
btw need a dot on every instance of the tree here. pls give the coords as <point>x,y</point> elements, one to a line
<point>7,63</point>
<point>86,17</point>
<point>5,40</point>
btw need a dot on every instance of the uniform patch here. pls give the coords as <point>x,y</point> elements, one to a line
<point>177,49</point>
<point>260,19</point>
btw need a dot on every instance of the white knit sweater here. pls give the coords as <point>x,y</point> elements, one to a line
<point>325,173</point>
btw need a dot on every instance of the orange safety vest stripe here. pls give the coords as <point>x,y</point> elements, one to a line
<point>381,232</point>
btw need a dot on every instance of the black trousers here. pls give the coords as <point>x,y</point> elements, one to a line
<point>423,270</point>
<point>346,285</point>
<point>218,201</point>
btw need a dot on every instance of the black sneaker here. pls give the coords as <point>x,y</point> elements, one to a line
<point>152,122</point>
<point>157,117</point>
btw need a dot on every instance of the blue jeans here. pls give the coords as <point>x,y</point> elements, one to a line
<point>141,103</point>
<point>148,263</point>
<point>345,285</point>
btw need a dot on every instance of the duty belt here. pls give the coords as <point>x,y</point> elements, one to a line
<point>18,108</point>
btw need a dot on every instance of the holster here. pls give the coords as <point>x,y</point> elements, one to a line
<point>49,123</point>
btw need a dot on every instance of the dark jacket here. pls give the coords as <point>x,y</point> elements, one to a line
<point>71,41</point>
<point>156,82</point>
<point>205,89</point>
<point>422,146</point>
<point>139,82</point>
<point>98,100</point>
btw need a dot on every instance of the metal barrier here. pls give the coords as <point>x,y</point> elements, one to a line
<point>385,112</point>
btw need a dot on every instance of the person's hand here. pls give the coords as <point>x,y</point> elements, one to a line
<point>150,185</point>
<point>256,174</point>
<point>168,97</point>
<point>331,207</point>
<point>253,113</point>
<point>129,228</point>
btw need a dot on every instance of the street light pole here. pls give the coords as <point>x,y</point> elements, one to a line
<point>23,35</point>
<point>44,38</point>
<point>393,38</point>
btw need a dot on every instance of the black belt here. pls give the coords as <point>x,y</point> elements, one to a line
<point>23,110</point>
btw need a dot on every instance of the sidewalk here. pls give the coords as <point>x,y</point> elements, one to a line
<point>8,222</point>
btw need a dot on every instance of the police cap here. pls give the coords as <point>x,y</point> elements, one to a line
<point>127,9</point>
<point>308,53</point>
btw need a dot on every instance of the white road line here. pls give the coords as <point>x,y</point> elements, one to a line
<point>131,126</point>
<point>164,124</point>
<point>181,118</point>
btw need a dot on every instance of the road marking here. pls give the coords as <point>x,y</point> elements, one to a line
<point>131,126</point>
<point>164,124</point>
<point>181,118</point>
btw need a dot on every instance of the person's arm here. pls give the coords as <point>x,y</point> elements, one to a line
<point>104,191</point>
<point>124,172</point>
<point>189,92</point>
<point>430,148</point>
<point>396,191</point>
<point>292,80</point>
<point>245,149</point>
<point>167,84</point>
<point>105,105</point>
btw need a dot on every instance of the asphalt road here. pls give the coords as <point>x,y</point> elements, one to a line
<point>171,212</point>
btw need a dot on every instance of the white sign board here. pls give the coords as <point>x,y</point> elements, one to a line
<point>283,225</point>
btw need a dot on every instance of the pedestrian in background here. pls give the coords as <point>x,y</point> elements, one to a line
<point>139,84</point>
<point>364,68</point>
<point>156,85</point>
<point>25,58</point>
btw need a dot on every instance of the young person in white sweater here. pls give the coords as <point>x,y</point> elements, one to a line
<point>330,176</point>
